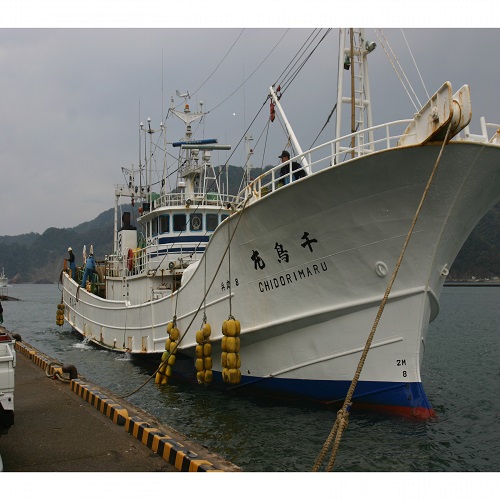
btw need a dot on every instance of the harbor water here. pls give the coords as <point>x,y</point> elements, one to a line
<point>460,374</point>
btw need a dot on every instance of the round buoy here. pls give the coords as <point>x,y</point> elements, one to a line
<point>230,345</point>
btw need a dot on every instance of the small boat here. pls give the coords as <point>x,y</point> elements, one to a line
<point>4,281</point>
<point>292,279</point>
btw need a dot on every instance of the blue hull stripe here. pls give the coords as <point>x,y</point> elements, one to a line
<point>396,397</point>
<point>411,395</point>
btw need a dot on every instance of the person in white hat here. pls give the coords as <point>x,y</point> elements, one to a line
<point>71,261</point>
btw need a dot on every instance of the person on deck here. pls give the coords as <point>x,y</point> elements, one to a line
<point>297,170</point>
<point>71,261</point>
<point>1,313</point>
<point>89,269</point>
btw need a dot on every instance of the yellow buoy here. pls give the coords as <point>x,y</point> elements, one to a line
<point>232,344</point>
<point>206,330</point>
<point>199,364</point>
<point>231,328</point>
<point>168,357</point>
<point>174,334</point>
<point>207,363</point>
<point>207,349</point>
<point>200,338</point>
<point>231,360</point>
<point>234,376</point>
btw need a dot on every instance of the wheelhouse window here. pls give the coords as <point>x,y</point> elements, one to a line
<point>164,224</point>
<point>196,222</point>
<point>212,221</point>
<point>179,222</point>
<point>154,227</point>
<point>148,229</point>
<point>223,216</point>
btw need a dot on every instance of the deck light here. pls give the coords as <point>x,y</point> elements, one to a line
<point>370,46</point>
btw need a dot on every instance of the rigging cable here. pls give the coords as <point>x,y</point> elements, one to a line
<point>222,60</point>
<point>334,107</point>
<point>397,72</point>
<point>414,62</point>
<point>323,128</point>
<point>297,71</point>
<point>292,63</point>
<point>251,74</point>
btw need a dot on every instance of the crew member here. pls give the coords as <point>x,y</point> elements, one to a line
<point>297,170</point>
<point>71,261</point>
<point>89,269</point>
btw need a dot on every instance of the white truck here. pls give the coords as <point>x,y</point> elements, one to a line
<point>7,370</point>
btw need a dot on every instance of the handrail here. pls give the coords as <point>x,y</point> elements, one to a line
<point>385,139</point>
<point>180,200</point>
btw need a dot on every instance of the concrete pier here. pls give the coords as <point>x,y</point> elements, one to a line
<point>75,426</point>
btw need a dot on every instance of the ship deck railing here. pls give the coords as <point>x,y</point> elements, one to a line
<point>151,260</point>
<point>210,199</point>
<point>334,152</point>
<point>341,150</point>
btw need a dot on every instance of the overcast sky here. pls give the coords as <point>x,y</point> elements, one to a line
<point>73,91</point>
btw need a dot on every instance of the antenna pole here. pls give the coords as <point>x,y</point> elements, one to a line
<point>353,99</point>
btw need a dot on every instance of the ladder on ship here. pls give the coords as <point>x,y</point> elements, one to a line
<point>353,64</point>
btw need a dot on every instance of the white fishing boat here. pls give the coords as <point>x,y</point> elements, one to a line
<point>310,268</point>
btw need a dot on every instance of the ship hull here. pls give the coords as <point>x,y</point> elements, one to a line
<point>306,271</point>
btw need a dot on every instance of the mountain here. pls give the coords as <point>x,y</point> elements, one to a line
<point>33,257</point>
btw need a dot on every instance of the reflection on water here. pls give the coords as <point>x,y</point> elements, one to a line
<point>460,372</point>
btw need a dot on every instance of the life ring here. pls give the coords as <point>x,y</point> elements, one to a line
<point>196,222</point>
<point>130,259</point>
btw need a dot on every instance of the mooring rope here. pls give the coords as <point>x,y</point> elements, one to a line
<point>342,419</point>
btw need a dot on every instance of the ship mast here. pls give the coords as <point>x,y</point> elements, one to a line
<point>353,51</point>
<point>195,174</point>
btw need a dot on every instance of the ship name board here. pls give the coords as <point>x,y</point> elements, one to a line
<point>292,277</point>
